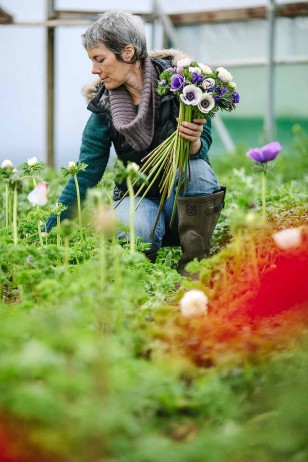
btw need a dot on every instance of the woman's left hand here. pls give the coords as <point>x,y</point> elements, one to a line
<point>192,131</point>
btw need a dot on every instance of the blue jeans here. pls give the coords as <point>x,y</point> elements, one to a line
<point>202,182</point>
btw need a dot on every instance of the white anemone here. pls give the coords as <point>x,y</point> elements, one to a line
<point>191,95</point>
<point>205,69</point>
<point>224,75</point>
<point>206,103</point>
<point>197,70</point>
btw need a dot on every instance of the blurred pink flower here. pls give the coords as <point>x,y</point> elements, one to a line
<point>39,195</point>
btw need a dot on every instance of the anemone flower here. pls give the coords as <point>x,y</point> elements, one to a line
<point>39,195</point>
<point>266,153</point>
<point>191,95</point>
<point>262,156</point>
<point>206,103</point>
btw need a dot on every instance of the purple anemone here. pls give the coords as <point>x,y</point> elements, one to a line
<point>266,153</point>
<point>197,78</point>
<point>236,97</point>
<point>177,82</point>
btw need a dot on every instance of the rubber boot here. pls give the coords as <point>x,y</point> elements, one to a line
<point>151,256</point>
<point>198,217</point>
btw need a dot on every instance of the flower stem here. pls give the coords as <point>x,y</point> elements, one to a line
<point>131,214</point>
<point>66,254</point>
<point>264,173</point>
<point>58,234</point>
<point>7,201</point>
<point>38,221</point>
<point>78,204</point>
<point>15,201</point>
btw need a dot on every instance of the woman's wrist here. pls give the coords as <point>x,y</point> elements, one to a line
<point>194,147</point>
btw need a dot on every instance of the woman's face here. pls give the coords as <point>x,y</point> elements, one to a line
<point>110,70</point>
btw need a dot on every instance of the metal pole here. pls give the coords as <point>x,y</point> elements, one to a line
<point>269,119</point>
<point>50,84</point>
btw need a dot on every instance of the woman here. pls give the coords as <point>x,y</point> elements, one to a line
<point>127,111</point>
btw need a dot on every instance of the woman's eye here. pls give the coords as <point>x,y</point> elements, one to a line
<point>99,61</point>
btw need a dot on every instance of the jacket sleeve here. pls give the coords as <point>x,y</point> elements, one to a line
<point>206,141</point>
<point>94,151</point>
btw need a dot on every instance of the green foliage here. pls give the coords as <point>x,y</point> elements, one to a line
<point>86,364</point>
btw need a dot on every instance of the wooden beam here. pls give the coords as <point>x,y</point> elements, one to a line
<point>290,10</point>
<point>5,18</point>
<point>239,14</point>
<point>66,15</point>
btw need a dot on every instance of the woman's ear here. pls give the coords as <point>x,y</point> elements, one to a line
<point>128,53</point>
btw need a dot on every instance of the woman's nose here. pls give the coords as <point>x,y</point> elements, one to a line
<point>95,69</point>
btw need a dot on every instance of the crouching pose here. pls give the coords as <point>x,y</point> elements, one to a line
<point>127,112</point>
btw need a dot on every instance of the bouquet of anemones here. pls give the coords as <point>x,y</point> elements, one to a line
<point>202,92</point>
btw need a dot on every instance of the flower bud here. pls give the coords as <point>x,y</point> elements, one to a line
<point>32,161</point>
<point>6,164</point>
<point>71,165</point>
<point>132,167</point>
<point>193,303</point>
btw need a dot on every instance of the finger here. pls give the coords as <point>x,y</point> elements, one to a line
<point>189,137</point>
<point>196,131</point>
<point>193,126</point>
<point>200,121</point>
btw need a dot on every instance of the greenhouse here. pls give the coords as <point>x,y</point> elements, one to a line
<point>153,231</point>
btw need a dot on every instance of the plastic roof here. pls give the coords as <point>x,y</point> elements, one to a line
<point>170,6</point>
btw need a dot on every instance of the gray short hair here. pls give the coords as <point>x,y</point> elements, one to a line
<point>115,30</point>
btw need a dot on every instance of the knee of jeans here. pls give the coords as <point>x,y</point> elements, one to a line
<point>202,179</point>
<point>143,231</point>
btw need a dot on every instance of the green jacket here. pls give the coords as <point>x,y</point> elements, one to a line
<point>98,135</point>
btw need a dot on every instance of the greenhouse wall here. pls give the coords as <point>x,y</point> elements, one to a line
<point>239,41</point>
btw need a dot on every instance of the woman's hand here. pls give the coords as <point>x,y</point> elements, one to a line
<point>192,131</point>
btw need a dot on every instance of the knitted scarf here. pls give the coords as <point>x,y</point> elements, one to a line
<point>138,128</point>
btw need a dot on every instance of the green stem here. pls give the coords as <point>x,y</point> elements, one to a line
<point>15,201</point>
<point>103,264</point>
<point>66,254</point>
<point>78,204</point>
<point>40,233</point>
<point>131,214</point>
<point>58,233</point>
<point>264,194</point>
<point>7,201</point>
<point>38,222</point>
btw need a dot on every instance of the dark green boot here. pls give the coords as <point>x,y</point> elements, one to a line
<point>198,217</point>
